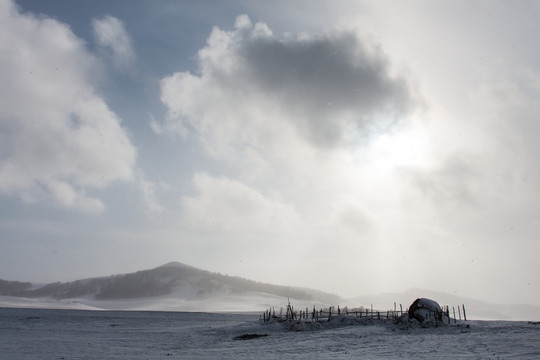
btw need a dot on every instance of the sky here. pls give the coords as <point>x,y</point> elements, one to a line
<point>356,147</point>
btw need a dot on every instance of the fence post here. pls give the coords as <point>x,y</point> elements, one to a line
<point>459,312</point>
<point>464,315</point>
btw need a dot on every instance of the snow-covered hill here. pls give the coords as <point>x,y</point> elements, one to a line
<point>173,286</point>
<point>178,287</point>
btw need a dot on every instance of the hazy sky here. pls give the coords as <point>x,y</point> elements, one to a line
<point>355,147</point>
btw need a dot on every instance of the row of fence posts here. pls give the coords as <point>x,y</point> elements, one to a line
<point>459,312</point>
<point>321,315</point>
<point>446,311</point>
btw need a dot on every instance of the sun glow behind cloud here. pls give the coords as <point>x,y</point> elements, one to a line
<point>407,147</point>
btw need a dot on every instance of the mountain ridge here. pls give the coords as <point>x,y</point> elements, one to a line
<point>174,279</point>
<point>175,286</point>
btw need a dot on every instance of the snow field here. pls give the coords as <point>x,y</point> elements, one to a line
<point>75,334</point>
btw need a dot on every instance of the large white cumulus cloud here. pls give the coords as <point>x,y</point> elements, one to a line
<point>58,137</point>
<point>254,88</point>
<point>285,115</point>
<point>282,112</point>
<point>290,116</point>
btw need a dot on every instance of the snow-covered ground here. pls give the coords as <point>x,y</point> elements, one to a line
<point>77,334</point>
<point>222,301</point>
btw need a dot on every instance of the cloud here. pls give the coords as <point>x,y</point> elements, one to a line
<point>356,220</point>
<point>314,120</point>
<point>114,40</point>
<point>256,88</point>
<point>286,115</point>
<point>149,191</point>
<point>455,181</point>
<point>230,206</point>
<point>58,137</point>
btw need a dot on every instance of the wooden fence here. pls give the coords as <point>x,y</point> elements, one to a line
<point>326,314</point>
